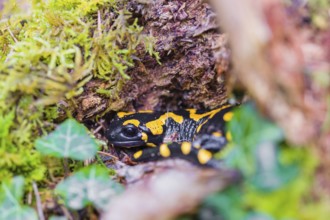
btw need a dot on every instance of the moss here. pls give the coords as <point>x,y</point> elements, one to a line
<point>16,148</point>
<point>47,55</point>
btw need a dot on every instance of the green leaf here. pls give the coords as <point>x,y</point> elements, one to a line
<point>248,131</point>
<point>91,185</point>
<point>70,139</point>
<point>249,128</point>
<point>18,213</point>
<point>11,193</point>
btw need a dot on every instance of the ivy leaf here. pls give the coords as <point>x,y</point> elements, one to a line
<point>11,193</point>
<point>70,139</point>
<point>91,185</point>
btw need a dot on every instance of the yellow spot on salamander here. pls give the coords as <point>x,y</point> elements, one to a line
<point>200,126</point>
<point>133,122</point>
<point>137,154</point>
<point>176,118</point>
<point>228,136</point>
<point>193,115</point>
<point>204,156</point>
<point>145,111</point>
<point>217,134</point>
<point>186,148</point>
<point>144,137</point>
<point>164,150</point>
<point>228,116</point>
<point>122,114</point>
<point>151,145</point>
<point>156,126</point>
<point>209,114</point>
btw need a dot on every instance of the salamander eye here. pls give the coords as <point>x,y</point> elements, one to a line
<point>130,131</point>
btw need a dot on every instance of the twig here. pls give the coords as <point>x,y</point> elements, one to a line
<point>12,35</point>
<point>87,162</point>
<point>66,167</point>
<point>38,200</point>
<point>66,212</point>
<point>97,129</point>
<point>108,154</point>
<point>29,198</point>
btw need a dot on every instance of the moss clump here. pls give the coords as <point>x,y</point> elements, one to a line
<point>48,55</point>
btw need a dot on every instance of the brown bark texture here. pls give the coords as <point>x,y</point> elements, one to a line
<point>194,60</point>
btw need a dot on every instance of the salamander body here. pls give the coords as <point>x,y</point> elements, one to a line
<point>190,134</point>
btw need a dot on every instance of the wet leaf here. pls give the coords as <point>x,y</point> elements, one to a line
<point>10,201</point>
<point>69,140</point>
<point>91,185</point>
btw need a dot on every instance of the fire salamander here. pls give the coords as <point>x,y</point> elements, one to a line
<point>189,134</point>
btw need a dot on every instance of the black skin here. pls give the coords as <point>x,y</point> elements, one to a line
<point>152,154</point>
<point>129,137</point>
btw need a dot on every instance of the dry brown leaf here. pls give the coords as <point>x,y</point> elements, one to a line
<point>174,187</point>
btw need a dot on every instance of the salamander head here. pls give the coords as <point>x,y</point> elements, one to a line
<point>128,135</point>
<point>130,130</point>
